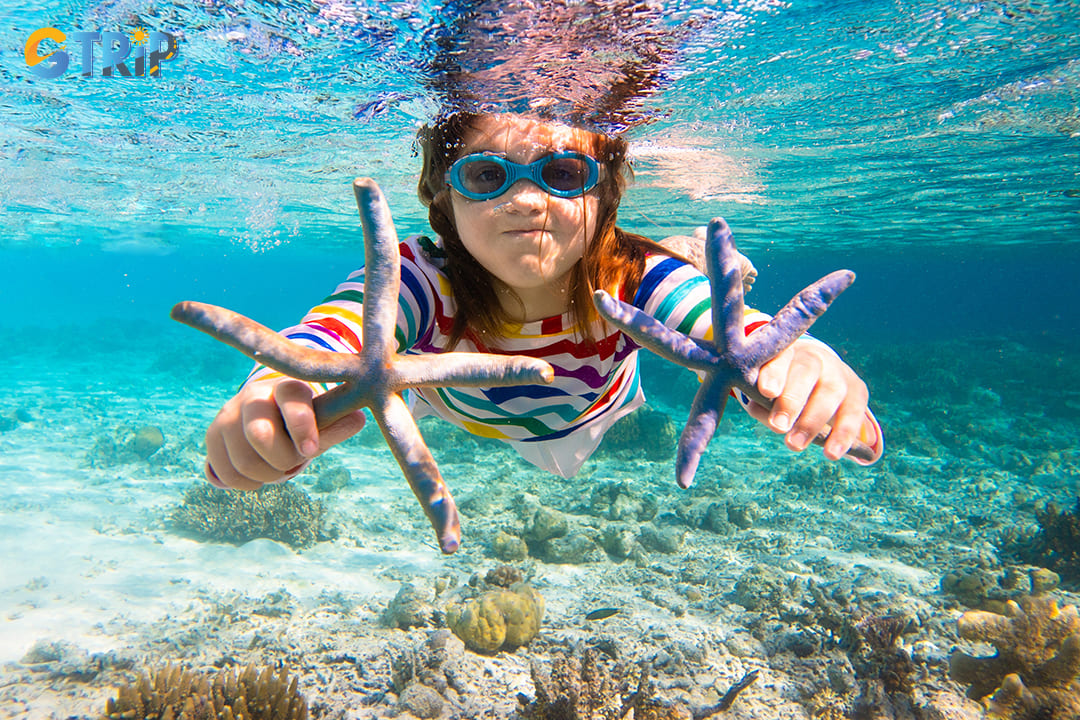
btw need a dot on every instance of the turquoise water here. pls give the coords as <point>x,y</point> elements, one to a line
<point>887,135</point>
<point>934,148</point>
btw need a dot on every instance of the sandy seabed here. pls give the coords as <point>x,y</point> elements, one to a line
<point>97,584</point>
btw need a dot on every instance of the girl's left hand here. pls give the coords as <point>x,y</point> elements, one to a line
<point>811,387</point>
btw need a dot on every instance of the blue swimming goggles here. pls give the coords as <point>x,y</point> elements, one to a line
<point>481,176</point>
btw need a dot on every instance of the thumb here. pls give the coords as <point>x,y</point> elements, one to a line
<point>341,430</point>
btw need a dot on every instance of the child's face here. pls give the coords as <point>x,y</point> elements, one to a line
<point>529,240</point>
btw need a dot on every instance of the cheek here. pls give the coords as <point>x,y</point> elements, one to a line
<point>584,217</point>
<point>466,220</point>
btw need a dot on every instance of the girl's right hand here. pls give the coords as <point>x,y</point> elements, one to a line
<point>266,434</point>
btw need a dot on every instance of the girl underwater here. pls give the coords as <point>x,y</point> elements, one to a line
<point>525,213</point>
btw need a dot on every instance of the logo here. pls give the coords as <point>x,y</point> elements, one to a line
<point>136,54</point>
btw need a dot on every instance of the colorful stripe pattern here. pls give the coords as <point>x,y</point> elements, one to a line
<point>555,426</point>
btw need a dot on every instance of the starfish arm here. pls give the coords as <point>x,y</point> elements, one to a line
<point>412,454</point>
<point>382,268</point>
<point>459,369</point>
<point>263,345</point>
<point>704,417</point>
<point>339,401</point>
<point>652,334</point>
<point>795,318</point>
<point>724,271</point>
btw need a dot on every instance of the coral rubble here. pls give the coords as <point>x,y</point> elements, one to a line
<point>1035,673</point>
<point>186,695</point>
<point>279,512</point>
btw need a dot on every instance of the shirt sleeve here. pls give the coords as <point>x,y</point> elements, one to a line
<point>677,294</point>
<point>336,324</point>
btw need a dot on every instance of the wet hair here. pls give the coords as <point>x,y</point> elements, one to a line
<point>614,259</point>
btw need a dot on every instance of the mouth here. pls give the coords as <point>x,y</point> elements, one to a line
<point>526,232</point>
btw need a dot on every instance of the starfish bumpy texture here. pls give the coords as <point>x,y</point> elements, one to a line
<point>375,377</point>
<point>733,359</point>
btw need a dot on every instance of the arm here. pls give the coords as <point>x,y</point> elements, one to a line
<point>268,432</point>
<point>809,384</point>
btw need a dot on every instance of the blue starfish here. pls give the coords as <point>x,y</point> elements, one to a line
<point>732,359</point>
<point>375,377</point>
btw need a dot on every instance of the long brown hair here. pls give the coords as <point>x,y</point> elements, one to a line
<point>614,260</point>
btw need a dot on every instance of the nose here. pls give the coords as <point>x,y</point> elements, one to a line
<point>526,194</point>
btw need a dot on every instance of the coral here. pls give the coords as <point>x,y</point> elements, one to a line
<point>279,512</point>
<point>146,441</point>
<point>125,445</point>
<point>546,524</point>
<point>619,539</point>
<point>576,549</point>
<point>62,659</point>
<point>186,695</point>
<point>509,548</point>
<point>743,516</point>
<point>986,589</point>
<point>871,640</point>
<point>580,687</point>
<point>880,655</point>
<point>644,432</point>
<point>409,608</point>
<point>812,475</point>
<point>1056,544</point>
<point>434,663</point>
<point>668,539</point>
<point>1035,674</point>
<point>10,419</point>
<point>420,701</point>
<point>761,588</point>
<point>503,576</point>
<point>330,474</point>
<point>498,619</point>
<point>615,500</point>
<point>827,705</point>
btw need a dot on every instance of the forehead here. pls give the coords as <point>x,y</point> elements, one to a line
<point>516,135</point>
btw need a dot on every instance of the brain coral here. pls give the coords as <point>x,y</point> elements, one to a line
<point>1035,674</point>
<point>498,619</point>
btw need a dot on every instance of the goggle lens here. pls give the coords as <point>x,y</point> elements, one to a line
<point>566,174</point>
<point>483,177</point>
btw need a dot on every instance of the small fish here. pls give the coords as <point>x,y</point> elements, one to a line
<point>601,613</point>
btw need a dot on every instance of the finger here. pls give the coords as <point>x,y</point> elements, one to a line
<point>219,470</point>
<point>341,430</point>
<point>820,407</point>
<point>293,400</point>
<point>212,478</point>
<point>802,377</point>
<point>263,451</point>
<point>848,422</point>
<point>758,412</point>
<point>773,374</point>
